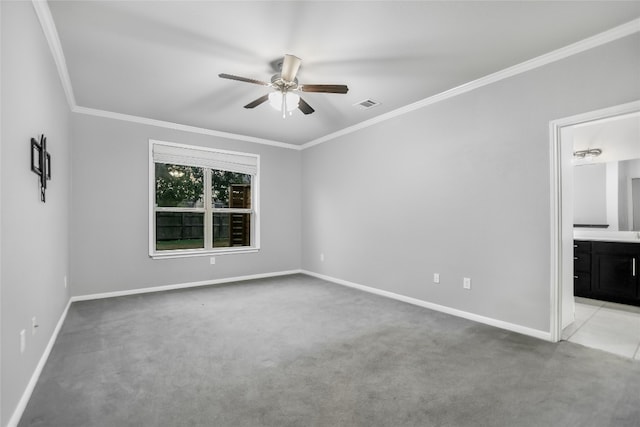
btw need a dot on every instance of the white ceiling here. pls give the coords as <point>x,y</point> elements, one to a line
<point>160,59</point>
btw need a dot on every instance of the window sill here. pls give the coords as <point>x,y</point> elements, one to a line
<point>191,254</point>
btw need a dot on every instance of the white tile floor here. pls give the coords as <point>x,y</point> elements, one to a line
<point>614,328</point>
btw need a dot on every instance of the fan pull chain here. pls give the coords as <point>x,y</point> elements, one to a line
<point>284,105</point>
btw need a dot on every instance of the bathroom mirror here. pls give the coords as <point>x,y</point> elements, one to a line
<point>607,195</point>
<point>606,173</point>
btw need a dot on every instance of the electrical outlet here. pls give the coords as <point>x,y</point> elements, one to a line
<point>322,257</point>
<point>436,277</point>
<point>466,283</point>
<point>34,325</point>
<point>212,260</point>
<point>23,340</point>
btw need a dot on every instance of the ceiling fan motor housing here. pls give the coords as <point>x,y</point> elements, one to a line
<point>283,85</point>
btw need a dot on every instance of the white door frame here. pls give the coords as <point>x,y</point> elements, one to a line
<point>557,262</point>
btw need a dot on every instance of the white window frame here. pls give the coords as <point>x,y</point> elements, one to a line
<point>207,210</point>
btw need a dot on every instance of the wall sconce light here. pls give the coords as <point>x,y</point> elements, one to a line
<point>591,152</point>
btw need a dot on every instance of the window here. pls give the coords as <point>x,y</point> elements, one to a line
<point>202,201</point>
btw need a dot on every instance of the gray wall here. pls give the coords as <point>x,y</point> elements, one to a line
<point>460,188</point>
<point>109,231</point>
<point>34,244</point>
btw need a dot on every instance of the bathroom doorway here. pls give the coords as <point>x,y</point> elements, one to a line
<point>571,317</point>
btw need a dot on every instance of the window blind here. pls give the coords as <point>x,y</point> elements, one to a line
<point>194,156</point>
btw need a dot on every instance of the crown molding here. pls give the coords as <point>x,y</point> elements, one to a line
<point>548,58</point>
<point>48,26</point>
<point>51,34</point>
<point>180,127</point>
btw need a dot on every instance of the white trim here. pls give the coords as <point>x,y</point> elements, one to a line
<point>1,222</point>
<point>207,251</point>
<point>208,210</point>
<point>152,201</point>
<point>201,148</point>
<point>180,127</point>
<point>48,26</point>
<point>189,253</point>
<point>24,400</point>
<point>205,157</point>
<point>556,236</point>
<point>610,119</point>
<point>255,224</point>
<point>163,209</point>
<point>602,114</point>
<point>26,395</point>
<point>51,34</point>
<point>543,335</point>
<point>555,128</point>
<point>548,58</point>
<point>182,285</point>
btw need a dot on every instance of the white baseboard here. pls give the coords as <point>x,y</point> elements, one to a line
<point>182,285</point>
<point>22,403</point>
<point>543,335</point>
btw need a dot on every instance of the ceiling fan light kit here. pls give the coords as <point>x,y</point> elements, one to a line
<point>285,83</point>
<point>284,102</point>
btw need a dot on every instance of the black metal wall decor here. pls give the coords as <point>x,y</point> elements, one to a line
<point>41,163</point>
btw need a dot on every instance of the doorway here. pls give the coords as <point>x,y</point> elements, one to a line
<point>563,303</point>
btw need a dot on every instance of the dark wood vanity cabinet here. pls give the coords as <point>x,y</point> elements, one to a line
<point>607,271</point>
<point>581,268</point>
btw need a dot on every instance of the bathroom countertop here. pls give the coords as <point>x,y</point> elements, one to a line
<point>607,236</point>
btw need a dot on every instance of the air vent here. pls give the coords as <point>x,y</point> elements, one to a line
<point>366,104</point>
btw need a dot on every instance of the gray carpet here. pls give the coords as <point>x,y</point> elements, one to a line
<point>298,351</point>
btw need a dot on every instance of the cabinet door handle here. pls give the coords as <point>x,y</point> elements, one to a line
<point>575,257</point>
<point>575,277</point>
<point>575,246</point>
<point>633,267</point>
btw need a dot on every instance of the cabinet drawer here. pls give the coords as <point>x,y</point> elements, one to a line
<point>581,284</point>
<point>581,246</point>
<point>617,248</point>
<point>581,262</point>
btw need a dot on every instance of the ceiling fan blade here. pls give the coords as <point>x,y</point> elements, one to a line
<point>304,107</point>
<point>257,102</point>
<point>325,88</point>
<point>290,68</point>
<point>243,79</point>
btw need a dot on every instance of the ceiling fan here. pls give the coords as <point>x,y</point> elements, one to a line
<point>285,84</point>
